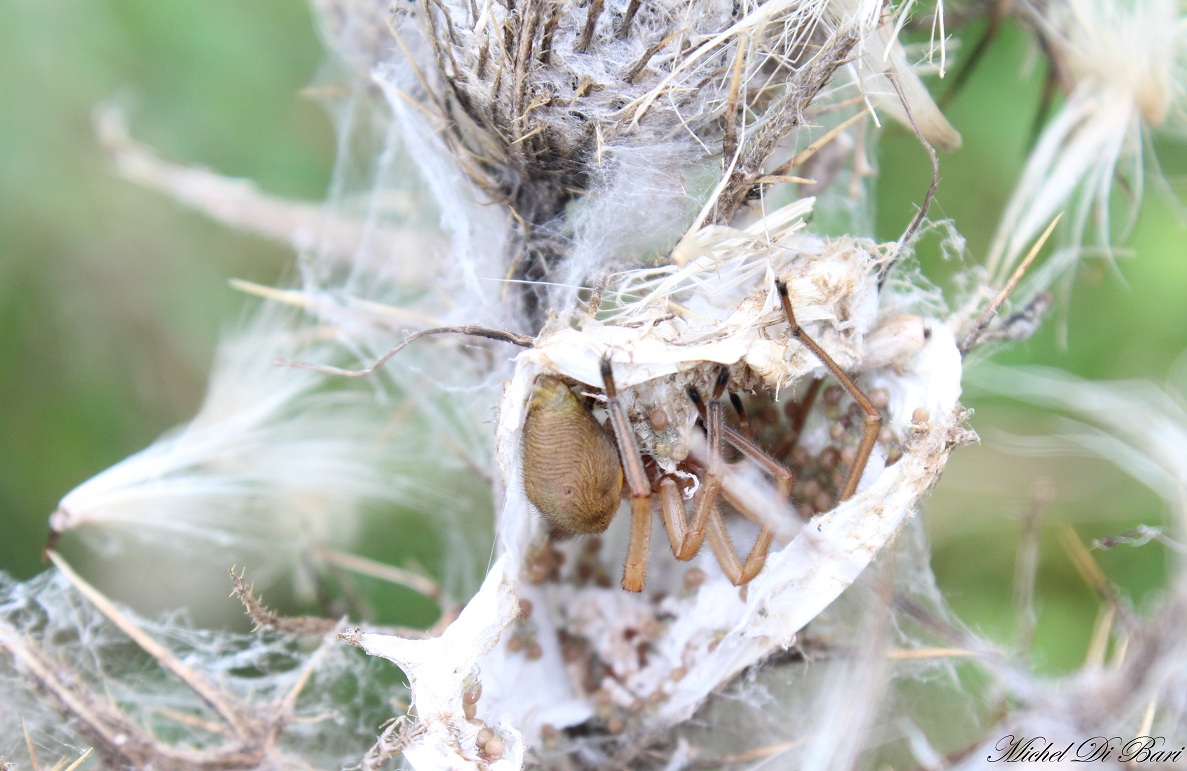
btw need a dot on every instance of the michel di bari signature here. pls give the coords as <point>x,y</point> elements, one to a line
<point>1039,749</point>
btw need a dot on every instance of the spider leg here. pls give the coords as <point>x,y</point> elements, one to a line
<point>797,411</point>
<point>805,405</point>
<point>719,539</point>
<point>765,507</point>
<point>635,570</point>
<point>672,506</point>
<point>743,420</point>
<point>873,420</point>
<point>706,498</point>
<point>727,556</point>
<point>745,445</point>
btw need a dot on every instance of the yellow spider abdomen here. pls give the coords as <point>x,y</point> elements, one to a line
<point>571,471</point>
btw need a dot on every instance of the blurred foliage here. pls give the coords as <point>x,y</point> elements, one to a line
<point>112,297</point>
<point>1123,321</point>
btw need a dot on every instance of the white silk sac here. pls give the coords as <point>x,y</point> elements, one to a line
<point>562,649</point>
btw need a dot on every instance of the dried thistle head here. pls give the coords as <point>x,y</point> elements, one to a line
<point>590,123</point>
<point>601,129</point>
<point>586,127</point>
<point>564,145</point>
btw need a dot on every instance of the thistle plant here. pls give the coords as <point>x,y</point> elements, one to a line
<point>659,208</point>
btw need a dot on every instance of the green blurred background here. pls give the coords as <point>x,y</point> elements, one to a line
<point>112,297</point>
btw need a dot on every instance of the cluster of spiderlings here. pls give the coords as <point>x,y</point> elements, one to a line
<point>582,662</point>
<point>488,743</point>
<point>523,634</point>
<point>665,439</point>
<point>819,474</point>
<point>617,707</point>
<point>588,567</point>
<point>546,562</point>
<point>471,693</point>
<point>599,683</point>
<point>612,716</point>
<point>587,668</point>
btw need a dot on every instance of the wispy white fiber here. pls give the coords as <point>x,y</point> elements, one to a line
<point>274,462</point>
<point>882,58</point>
<point>1123,66</point>
<point>1142,429</point>
<point>58,649</point>
<point>849,703</point>
<point>637,207</point>
<point>1137,425</point>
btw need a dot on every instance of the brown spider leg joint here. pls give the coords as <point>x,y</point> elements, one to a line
<point>873,421</point>
<point>706,503</point>
<point>743,418</point>
<point>635,570</point>
<point>708,523</point>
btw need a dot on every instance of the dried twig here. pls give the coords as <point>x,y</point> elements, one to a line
<point>1027,561</point>
<point>264,618</point>
<point>783,116</point>
<point>978,330</point>
<point>492,334</point>
<point>251,730</point>
<point>414,581</point>
<point>917,220</point>
<point>240,204</point>
<point>591,21</point>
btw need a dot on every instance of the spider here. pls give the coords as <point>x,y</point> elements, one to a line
<point>575,470</point>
